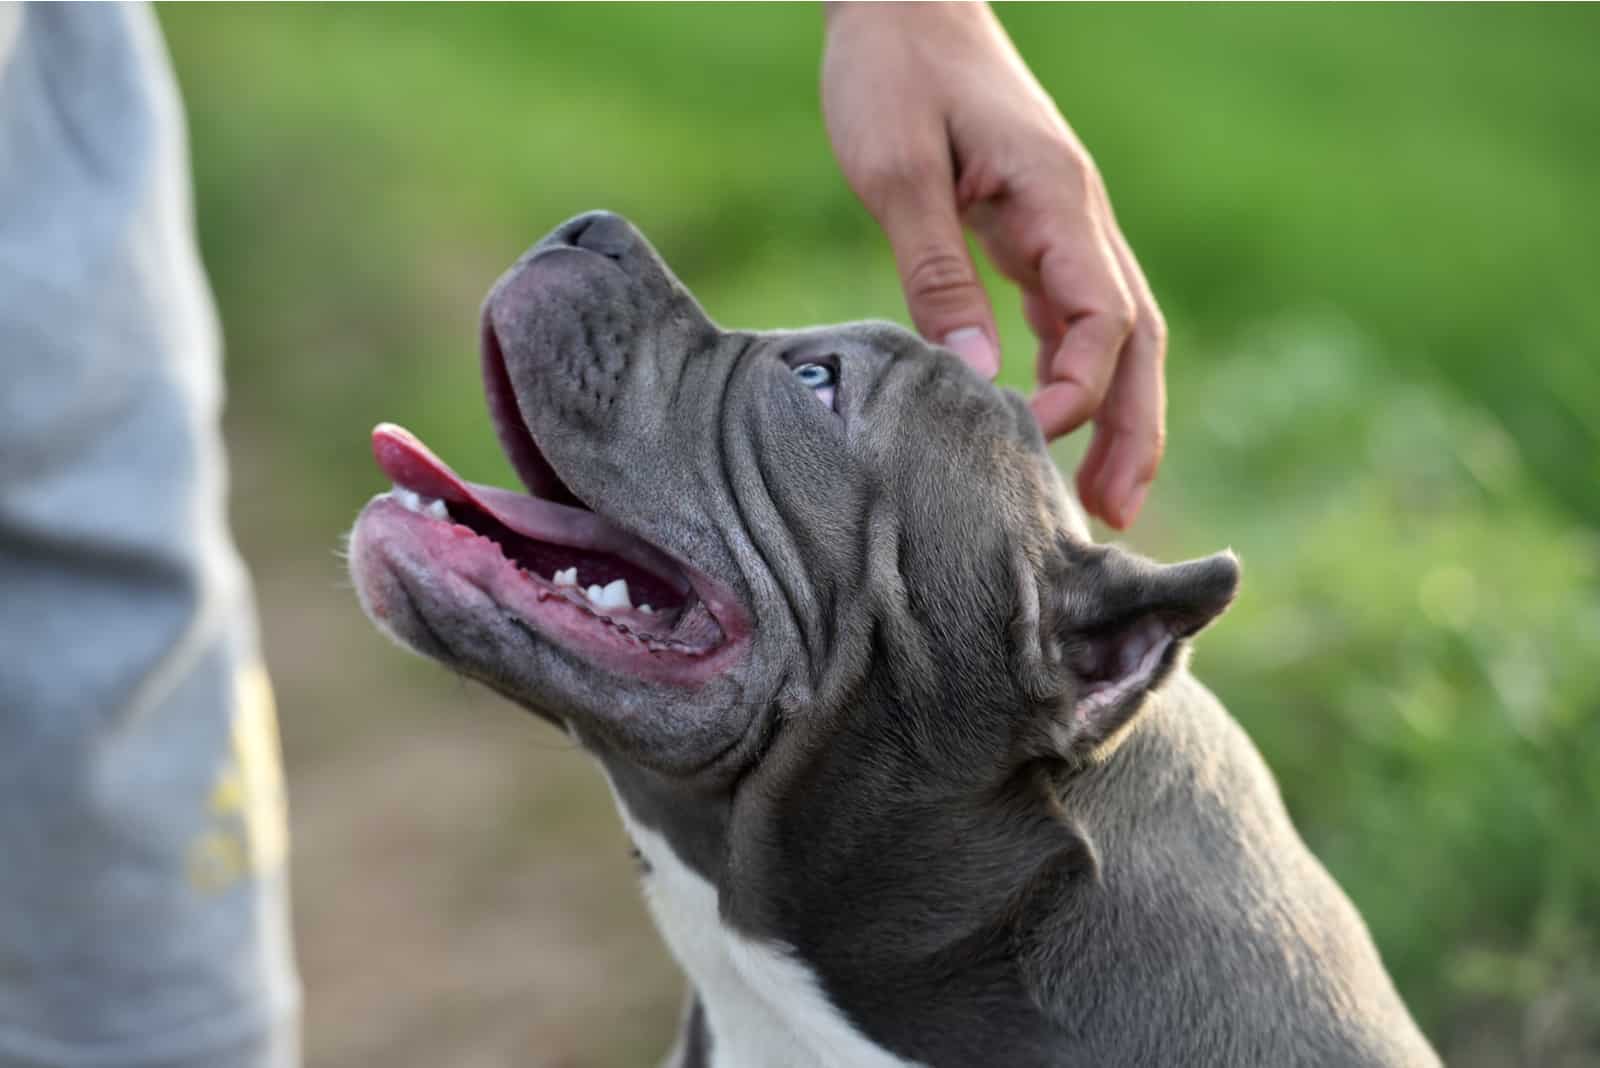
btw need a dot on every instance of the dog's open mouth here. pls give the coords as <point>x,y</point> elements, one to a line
<point>554,565</point>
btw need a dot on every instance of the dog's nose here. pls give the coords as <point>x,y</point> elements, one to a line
<point>603,232</point>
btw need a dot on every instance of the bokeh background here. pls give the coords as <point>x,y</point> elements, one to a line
<point>1373,231</point>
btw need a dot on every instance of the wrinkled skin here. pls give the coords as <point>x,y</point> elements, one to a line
<point>924,755</point>
<point>836,529</point>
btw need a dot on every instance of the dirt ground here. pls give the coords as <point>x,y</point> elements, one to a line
<point>464,896</point>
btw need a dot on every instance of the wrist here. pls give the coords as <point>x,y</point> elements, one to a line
<point>840,11</point>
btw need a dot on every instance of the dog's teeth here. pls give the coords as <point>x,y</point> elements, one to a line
<point>569,577</point>
<point>413,501</point>
<point>647,610</point>
<point>615,595</point>
<point>594,594</point>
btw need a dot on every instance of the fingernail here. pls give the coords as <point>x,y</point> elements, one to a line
<point>974,346</point>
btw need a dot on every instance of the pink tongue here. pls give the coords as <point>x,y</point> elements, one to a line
<point>412,465</point>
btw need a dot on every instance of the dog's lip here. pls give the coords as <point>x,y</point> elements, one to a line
<point>412,465</point>
<point>549,512</point>
<point>621,640</point>
<point>539,476</point>
<point>471,571</point>
<point>516,441</point>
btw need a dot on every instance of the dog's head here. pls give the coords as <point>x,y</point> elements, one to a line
<point>747,556</point>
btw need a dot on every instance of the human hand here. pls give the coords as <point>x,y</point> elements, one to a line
<point>936,120</point>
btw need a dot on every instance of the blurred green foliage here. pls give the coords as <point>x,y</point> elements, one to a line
<point>1373,233</point>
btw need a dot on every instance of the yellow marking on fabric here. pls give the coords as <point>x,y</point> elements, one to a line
<point>216,861</point>
<point>250,833</point>
<point>259,758</point>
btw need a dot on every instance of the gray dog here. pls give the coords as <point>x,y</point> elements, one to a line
<point>915,772</point>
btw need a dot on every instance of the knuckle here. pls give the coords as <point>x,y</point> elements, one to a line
<point>893,177</point>
<point>1121,316</point>
<point>1154,327</point>
<point>1149,336</point>
<point>937,274</point>
<point>1077,162</point>
<point>1143,446</point>
<point>1061,155</point>
<point>1142,431</point>
<point>1091,384</point>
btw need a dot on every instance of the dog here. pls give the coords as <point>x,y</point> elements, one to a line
<point>916,773</point>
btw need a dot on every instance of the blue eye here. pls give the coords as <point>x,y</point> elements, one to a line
<point>815,375</point>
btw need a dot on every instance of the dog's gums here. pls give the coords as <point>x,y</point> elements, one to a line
<point>558,569</point>
<point>559,548</point>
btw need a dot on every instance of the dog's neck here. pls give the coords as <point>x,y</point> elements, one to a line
<point>758,1002</point>
<point>890,918</point>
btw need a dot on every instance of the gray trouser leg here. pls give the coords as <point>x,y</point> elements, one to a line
<point>143,892</point>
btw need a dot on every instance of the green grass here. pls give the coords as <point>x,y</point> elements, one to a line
<point>1373,232</point>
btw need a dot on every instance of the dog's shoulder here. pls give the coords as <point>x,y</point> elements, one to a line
<point>1204,885</point>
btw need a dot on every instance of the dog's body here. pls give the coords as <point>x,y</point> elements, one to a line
<point>1217,940</point>
<point>916,774</point>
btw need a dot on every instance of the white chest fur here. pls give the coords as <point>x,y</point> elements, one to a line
<point>764,1008</point>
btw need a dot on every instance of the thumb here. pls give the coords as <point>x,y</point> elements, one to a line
<point>945,298</point>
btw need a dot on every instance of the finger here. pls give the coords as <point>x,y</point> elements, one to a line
<point>945,298</point>
<point>1098,314</point>
<point>1132,422</point>
<point>1134,412</point>
<point>1090,469</point>
<point>1046,324</point>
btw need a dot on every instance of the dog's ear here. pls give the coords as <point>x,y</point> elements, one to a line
<point>1113,628</point>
